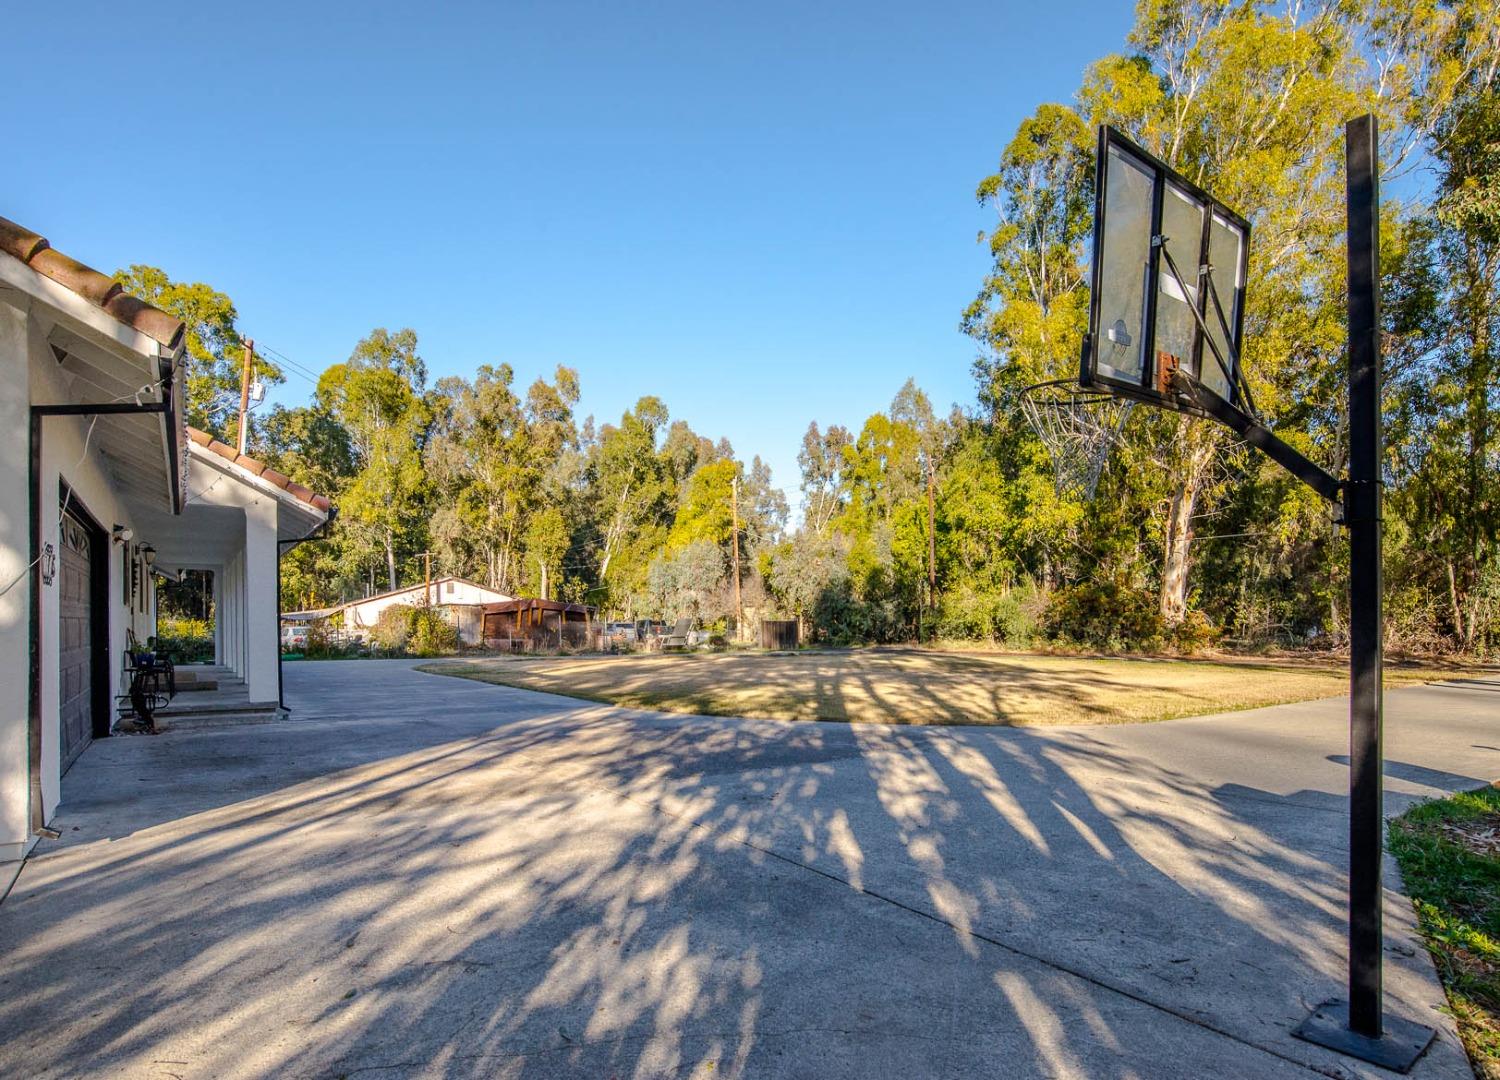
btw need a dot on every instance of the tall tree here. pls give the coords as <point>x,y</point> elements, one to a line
<point>491,455</point>
<point>378,396</point>
<point>632,496</point>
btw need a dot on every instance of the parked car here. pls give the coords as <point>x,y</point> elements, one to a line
<point>646,629</point>
<point>620,635</point>
<point>294,637</point>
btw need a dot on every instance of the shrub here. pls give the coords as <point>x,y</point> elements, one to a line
<point>323,643</point>
<point>430,634</point>
<point>1195,632</point>
<point>390,631</point>
<point>841,618</point>
<point>1106,614</point>
<point>402,630</point>
<point>1010,616</point>
<point>185,640</point>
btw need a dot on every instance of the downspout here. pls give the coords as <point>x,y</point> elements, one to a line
<point>38,414</point>
<point>320,533</point>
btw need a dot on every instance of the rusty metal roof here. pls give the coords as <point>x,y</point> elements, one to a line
<point>101,290</point>
<point>534,603</point>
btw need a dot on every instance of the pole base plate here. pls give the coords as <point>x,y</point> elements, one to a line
<point>1397,1049</point>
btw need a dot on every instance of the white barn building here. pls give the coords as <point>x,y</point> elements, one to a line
<point>360,616</point>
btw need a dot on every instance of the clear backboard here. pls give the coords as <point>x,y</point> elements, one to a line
<point>1168,282</point>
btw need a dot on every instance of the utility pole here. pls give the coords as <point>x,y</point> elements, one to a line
<point>734,538</point>
<point>931,540</point>
<point>426,557</point>
<point>245,394</point>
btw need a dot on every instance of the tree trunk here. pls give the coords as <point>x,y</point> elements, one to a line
<point>1174,573</point>
<point>1454,604</point>
<point>390,559</point>
<point>1198,452</point>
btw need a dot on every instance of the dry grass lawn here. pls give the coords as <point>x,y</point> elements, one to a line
<point>918,686</point>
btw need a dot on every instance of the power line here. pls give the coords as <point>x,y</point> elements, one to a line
<point>296,368</point>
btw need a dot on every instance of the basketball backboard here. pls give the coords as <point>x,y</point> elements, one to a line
<point>1168,282</point>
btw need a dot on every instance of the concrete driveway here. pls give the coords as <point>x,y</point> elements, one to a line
<point>420,876</point>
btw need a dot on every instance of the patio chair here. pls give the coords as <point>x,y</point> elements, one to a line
<point>678,638</point>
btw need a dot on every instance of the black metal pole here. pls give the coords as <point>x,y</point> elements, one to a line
<point>1362,515</point>
<point>1359,1027</point>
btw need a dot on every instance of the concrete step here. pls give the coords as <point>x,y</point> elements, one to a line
<point>206,720</point>
<point>193,704</point>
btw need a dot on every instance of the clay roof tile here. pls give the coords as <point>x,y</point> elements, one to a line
<point>99,289</point>
<point>260,469</point>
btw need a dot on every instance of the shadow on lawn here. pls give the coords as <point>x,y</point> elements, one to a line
<point>581,892</point>
<point>886,685</point>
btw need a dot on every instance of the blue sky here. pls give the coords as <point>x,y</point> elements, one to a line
<point>761,213</point>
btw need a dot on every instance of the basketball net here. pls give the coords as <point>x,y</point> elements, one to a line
<point>1078,427</point>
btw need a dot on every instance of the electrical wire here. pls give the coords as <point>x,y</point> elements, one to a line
<point>291,365</point>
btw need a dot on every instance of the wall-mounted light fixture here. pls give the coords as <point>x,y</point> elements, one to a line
<point>122,534</point>
<point>149,554</point>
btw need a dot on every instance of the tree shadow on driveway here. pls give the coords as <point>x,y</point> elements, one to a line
<point>511,885</point>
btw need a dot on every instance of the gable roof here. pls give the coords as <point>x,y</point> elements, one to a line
<point>101,290</point>
<point>423,585</point>
<point>260,469</point>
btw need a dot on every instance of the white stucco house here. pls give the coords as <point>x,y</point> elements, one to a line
<point>102,486</point>
<point>359,616</point>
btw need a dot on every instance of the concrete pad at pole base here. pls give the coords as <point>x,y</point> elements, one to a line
<point>1397,1047</point>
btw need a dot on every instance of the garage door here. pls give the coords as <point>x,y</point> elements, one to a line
<point>75,697</point>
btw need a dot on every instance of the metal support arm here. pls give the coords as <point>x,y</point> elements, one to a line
<point>1259,436</point>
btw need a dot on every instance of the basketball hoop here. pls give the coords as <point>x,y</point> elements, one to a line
<point>1078,427</point>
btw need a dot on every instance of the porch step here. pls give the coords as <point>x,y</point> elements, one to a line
<point>221,702</point>
<point>195,683</point>
<point>198,721</point>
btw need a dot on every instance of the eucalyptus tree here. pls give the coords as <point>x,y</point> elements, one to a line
<point>490,457</point>
<point>632,497</point>
<point>1446,318</point>
<point>378,395</point>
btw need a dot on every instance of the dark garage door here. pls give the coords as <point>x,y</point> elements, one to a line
<point>75,662</point>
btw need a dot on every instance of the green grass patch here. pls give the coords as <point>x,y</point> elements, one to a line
<point>1449,851</point>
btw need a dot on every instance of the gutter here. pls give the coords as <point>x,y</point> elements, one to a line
<point>320,533</point>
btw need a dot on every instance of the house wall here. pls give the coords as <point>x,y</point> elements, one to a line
<point>29,373</point>
<point>15,603</point>
<point>245,604</point>
<point>262,649</point>
<point>468,620</point>
<point>361,615</point>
